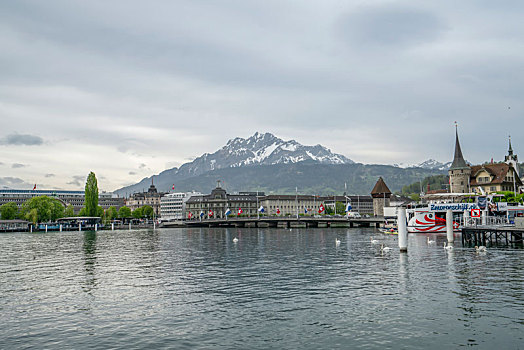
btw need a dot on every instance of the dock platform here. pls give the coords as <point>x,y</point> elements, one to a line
<point>492,236</point>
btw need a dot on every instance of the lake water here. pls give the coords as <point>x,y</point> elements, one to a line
<point>273,289</point>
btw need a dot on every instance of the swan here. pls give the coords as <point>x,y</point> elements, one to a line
<point>374,241</point>
<point>385,249</point>
<point>430,241</point>
<point>235,240</point>
<point>337,242</point>
<point>481,249</point>
<point>447,246</point>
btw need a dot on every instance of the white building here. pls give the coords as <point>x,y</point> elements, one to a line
<point>173,205</point>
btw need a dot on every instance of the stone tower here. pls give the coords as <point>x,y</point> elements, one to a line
<point>459,172</point>
<point>381,197</point>
<point>512,159</point>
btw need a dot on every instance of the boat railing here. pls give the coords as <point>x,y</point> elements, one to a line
<point>485,221</point>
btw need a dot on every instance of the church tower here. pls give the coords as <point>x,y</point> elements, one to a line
<point>512,159</point>
<point>459,172</point>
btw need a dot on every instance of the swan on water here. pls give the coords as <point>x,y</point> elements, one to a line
<point>481,249</point>
<point>430,241</point>
<point>385,249</point>
<point>447,246</point>
<point>235,240</point>
<point>337,242</point>
<point>374,241</point>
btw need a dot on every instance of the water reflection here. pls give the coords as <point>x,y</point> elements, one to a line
<point>89,250</point>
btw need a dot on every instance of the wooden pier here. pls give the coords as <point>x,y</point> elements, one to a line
<point>492,236</point>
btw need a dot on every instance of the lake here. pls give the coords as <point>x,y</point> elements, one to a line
<point>193,288</point>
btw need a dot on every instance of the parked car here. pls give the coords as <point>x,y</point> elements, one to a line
<point>354,215</point>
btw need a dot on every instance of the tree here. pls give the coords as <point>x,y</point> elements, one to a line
<point>44,207</point>
<point>9,211</point>
<point>91,195</point>
<point>124,212</point>
<point>138,213</point>
<point>147,211</point>
<point>82,212</point>
<point>111,213</point>
<point>69,211</point>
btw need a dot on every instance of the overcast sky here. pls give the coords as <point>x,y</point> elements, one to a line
<point>128,89</point>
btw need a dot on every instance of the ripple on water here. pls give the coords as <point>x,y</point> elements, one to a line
<point>275,288</point>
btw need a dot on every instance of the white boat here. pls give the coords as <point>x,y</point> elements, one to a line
<point>432,218</point>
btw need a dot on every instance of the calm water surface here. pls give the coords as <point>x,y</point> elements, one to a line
<point>274,289</point>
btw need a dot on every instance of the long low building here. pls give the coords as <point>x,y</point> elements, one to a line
<point>74,198</point>
<point>216,204</point>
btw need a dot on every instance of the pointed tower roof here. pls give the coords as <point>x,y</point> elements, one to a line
<point>510,150</point>
<point>458,160</point>
<point>380,189</point>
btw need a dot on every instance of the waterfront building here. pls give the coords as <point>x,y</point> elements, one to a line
<point>173,205</point>
<point>274,205</point>
<point>486,178</point>
<point>141,199</point>
<point>216,204</point>
<point>74,198</point>
<point>381,197</point>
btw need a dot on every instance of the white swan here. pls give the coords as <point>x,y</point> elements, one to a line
<point>430,242</point>
<point>447,246</point>
<point>385,249</point>
<point>481,249</point>
<point>235,240</point>
<point>374,241</point>
<point>337,242</point>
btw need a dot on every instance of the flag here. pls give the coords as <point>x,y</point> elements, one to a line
<point>227,212</point>
<point>305,210</point>
<point>34,188</point>
<point>348,208</point>
<point>201,214</point>
<point>261,209</point>
<point>321,208</point>
<point>210,213</point>
<point>240,211</point>
<point>278,211</point>
<point>173,187</point>
<point>189,215</point>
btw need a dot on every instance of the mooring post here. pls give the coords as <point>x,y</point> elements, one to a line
<point>31,228</point>
<point>79,226</point>
<point>129,226</point>
<point>46,228</point>
<point>449,226</point>
<point>484,217</point>
<point>96,227</point>
<point>466,218</point>
<point>60,227</point>
<point>112,226</point>
<point>402,230</point>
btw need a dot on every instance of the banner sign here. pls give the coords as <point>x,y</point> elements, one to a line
<point>452,206</point>
<point>482,202</point>
<point>502,206</point>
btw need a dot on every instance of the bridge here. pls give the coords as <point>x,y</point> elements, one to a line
<point>280,221</point>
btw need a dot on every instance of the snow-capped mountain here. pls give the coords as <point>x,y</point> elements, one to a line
<point>261,149</point>
<point>428,164</point>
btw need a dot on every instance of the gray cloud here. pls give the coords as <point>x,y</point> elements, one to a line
<point>390,26</point>
<point>50,175</point>
<point>142,166</point>
<point>13,182</point>
<point>22,139</point>
<point>78,180</point>
<point>132,173</point>
<point>18,165</point>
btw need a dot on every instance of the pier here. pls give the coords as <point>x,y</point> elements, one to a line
<point>492,236</point>
<point>281,221</point>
